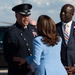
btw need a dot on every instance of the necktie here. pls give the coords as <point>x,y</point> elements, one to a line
<point>66,34</point>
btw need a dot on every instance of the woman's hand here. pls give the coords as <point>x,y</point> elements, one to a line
<point>19,59</point>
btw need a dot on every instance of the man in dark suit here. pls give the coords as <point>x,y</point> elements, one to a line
<point>67,50</point>
<point>18,40</point>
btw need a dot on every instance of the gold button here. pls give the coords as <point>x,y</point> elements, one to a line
<point>30,54</point>
<point>24,38</point>
<point>21,33</point>
<point>27,44</point>
<point>28,49</point>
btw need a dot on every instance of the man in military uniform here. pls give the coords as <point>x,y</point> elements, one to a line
<point>18,40</point>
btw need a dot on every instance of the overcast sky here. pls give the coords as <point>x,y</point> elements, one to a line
<point>48,7</point>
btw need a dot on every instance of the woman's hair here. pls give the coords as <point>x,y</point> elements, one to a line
<point>47,28</point>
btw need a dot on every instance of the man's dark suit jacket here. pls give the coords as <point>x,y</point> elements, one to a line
<point>18,42</point>
<point>67,52</point>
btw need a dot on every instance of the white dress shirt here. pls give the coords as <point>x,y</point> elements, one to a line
<point>68,27</point>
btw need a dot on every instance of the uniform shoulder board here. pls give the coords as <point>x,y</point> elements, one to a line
<point>11,27</point>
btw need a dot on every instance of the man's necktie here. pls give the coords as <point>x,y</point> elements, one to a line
<point>66,34</point>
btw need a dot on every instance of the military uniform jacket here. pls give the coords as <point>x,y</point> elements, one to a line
<point>18,42</point>
<point>67,51</point>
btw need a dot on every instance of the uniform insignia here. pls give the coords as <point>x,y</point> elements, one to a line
<point>34,34</point>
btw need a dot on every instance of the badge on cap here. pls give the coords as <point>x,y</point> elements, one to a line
<point>23,9</point>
